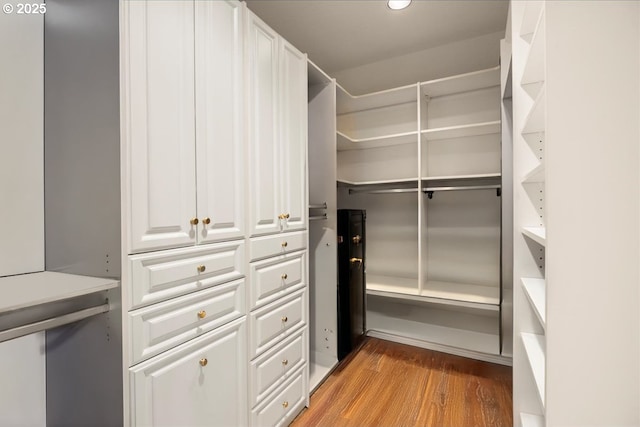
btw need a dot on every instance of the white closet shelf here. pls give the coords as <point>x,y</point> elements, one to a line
<point>401,181</point>
<point>347,103</point>
<point>535,64</point>
<point>507,86</point>
<point>462,83</point>
<point>534,346</point>
<point>530,420</point>
<point>390,284</point>
<point>535,290</point>
<point>535,175</point>
<point>463,178</point>
<point>535,121</point>
<point>461,131</point>
<point>537,234</point>
<point>344,142</point>
<point>530,19</point>
<point>29,290</point>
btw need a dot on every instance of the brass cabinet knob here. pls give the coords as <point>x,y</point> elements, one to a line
<point>285,362</point>
<point>201,268</point>
<point>203,362</point>
<point>356,239</point>
<point>284,276</point>
<point>285,318</point>
<point>285,404</point>
<point>202,314</point>
<point>281,216</point>
<point>194,221</point>
<point>206,220</point>
<point>356,261</point>
<point>284,244</point>
<point>286,216</point>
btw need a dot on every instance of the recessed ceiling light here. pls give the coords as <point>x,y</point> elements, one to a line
<point>398,4</point>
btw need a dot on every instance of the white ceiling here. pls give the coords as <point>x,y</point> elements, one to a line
<point>341,34</point>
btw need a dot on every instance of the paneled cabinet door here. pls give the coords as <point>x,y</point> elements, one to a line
<point>263,128</point>
<point>293,140</point>
<point>219,119</point>
<point>158,138</point>
<point>202,383</point>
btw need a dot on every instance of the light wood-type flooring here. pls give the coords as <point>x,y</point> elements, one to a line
<point>387,384</point>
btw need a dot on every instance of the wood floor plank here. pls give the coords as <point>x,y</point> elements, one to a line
<point>395,385</point>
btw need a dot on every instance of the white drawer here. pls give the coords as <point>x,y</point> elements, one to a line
<point>272,323</point>
<point>275,366</point>
<point>200,383</point>
<point>284,405</point>
<point>160,276</point>
<point>275,277</point>
<point>162,326</point>
<point>277,244</point>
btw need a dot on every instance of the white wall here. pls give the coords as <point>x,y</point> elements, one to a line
<point>22,361</point>
<point>442,61</point>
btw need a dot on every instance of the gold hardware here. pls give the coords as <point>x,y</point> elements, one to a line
<point>285,362</point>
<point>356,261</point>
<point>285,318</point>
<point>285,404</point>
<point>203,362</point>
<point>286,216</point>
<point>201,268</point>
<point>284,244</point>
<point>357,239</point>
<point>281,216</point>
<point>202,314</point>
<point>194,221</point>
<point>284,276</point>
<point>206,220</point>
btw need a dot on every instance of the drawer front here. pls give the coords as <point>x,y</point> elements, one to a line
<point>199,383</point>
<point>168,274</point>
<point>275,277</point>
<point>274,367</point>
<point>275,321</point>
<point>165,325</point>
<point>283,404</point>
<point>278,244</point>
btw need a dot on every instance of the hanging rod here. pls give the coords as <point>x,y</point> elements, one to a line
<point>429,191</point>
<point>386,191</point>
<point>318,206</point>
<point>53,322</point>
<point>318,217</point>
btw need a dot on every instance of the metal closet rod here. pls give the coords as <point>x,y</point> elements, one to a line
<point>386,191</point>
<point>318,217</point>
<point>322,205</point>
<point>429,191</point>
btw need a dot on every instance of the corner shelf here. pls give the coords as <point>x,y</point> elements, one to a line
<point>535,64</point>
<point>401,182</point>
<point>347,103</point>
<point>461,131</point>
<point>534,346</point>
<point>535,290</point>
<point>462,83</point>
<point>344,142</point>
<point>537,234</point>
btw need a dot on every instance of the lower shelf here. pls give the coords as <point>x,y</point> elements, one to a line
<point>530,420</point>
<point>534,346</point>
<point>437,292</point>
<point>317,374</point>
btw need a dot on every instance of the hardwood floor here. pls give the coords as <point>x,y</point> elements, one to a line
<point>391,385</point>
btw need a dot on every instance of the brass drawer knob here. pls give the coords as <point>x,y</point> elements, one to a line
<point>285,362</point>
<point>285,318</point>
<point>203,362</point>
<point>201,268</point>
<point>285,404</point>
<point>281,216</point>
<point>194,221</point>
<point>206,220</point>
<point>286,216</point>
<point>202,314</point>
<point>284,276</point>
<point>284,244</point>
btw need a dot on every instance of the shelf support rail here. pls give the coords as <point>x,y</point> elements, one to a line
<point>53,322</point>
<point>430,190</point>
<point>385,191</point>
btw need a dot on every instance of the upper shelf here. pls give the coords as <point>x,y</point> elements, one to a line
<point>530,19</point>
<point>537,234</point>
<point>404,183</point>
<point>535,121</point>
<point>535,290</point>
<point>534,346</point>
<point>535,175</point>
<point>461,131</point>
<point>347,103</point>
<point>344,142</point>
<point>462,83</point>
<point>534,67</point>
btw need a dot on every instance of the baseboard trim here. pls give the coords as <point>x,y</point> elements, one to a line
<point>492,358</point>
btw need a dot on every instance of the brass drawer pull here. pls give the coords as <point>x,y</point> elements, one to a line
<point>203,362</point>
<point>285,362</point>
<point>281,216</point>
<point>202,314</point>
<point>284,276</point>
<point>201,268</point>
<point>194,221</point>
<point>286,216</point>
<point>206,220</point>
<point>284,244</point>
<point>285,318</point>
<point>285,404</point>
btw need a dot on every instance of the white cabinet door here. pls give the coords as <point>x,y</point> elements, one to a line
<point>293,131</point>
<point>158,136</point>
<point>201,383</point>
<point>220,119</point>
<point>263,128</point>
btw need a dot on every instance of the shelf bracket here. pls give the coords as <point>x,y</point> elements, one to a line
<point>498,192</point>
<point>430,194</point>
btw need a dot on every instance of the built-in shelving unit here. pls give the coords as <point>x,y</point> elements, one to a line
<point>534,346</point>
<point>535,290</point>
<point>538,234</point>
<point>396,149</point>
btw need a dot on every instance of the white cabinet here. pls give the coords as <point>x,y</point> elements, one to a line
<point>183,92</point>
<point>201,383</point>
<point>277,131</point>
